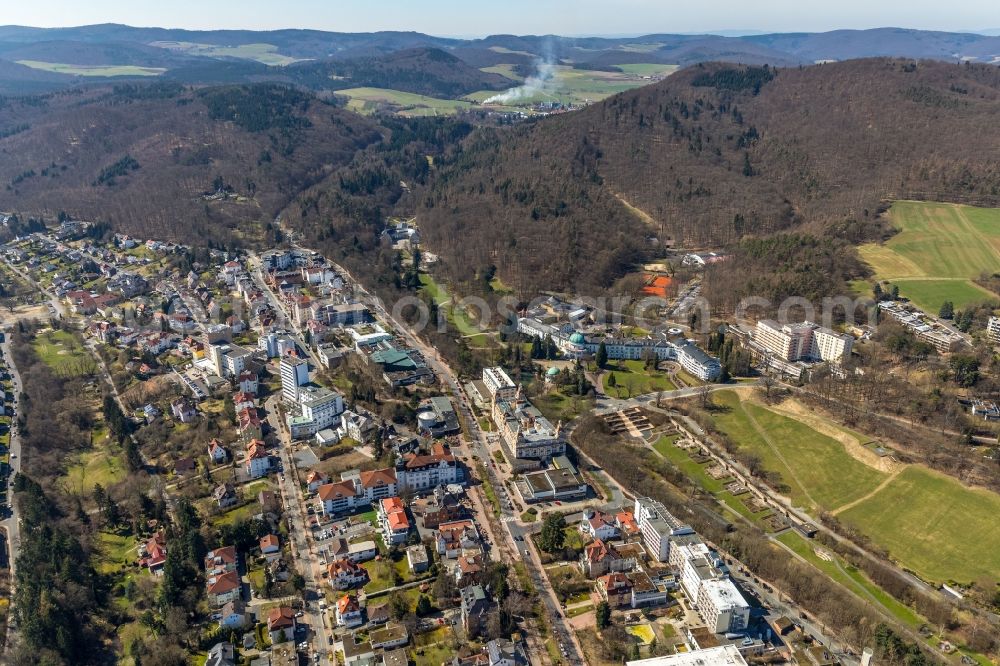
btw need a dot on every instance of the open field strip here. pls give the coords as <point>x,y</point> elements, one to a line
<point>92,70</point>
<point>939,250</point>
<point>929,523</point>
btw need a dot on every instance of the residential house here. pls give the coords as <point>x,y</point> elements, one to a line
<point>183,410</point>
<point>225,496</point>
<point>270,547</point>
<point>344,574</point>
<point>627,525</point>
<point>184,466</point>
<point>269,501</point>
<point>475,606</point>
<point>599,558</point>
<point>453,538</point>
<point>503,652</point>
<point>248,382</point>
<point>348,612</point>
<point>416,557</point>
<point>393,520</point>
<point>599,525</point>
<point>388,637</point>
<point>258,462</point>
<point>221,560</point>
<point>249,423</point>
<point>155,552</point>
<point>357,552</point>
<point>222,588</point>
<point>221,654</point>
<point>357,654</point>
<point>378,613</point>
<point>315,479</point>
<point>616,589</point>
<point>469,569</point>
<point>216,452</point>
<point>281,624</point>
<point>243,400</point>
<point>233,615</point>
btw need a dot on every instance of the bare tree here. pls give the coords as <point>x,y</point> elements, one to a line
<point>767,384</point>
<point>704,394</point>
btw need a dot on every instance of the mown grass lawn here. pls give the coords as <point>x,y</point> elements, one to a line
<point>939,249</point>
<point>813,466</point>
<point>64,353</point>
<point>633,378</point>
<point>933,525</point>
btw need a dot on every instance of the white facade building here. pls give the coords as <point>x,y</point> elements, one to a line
<point>499,383</point>
<point>294,373</point>
<point>657,525</point>
<point>805,340</point>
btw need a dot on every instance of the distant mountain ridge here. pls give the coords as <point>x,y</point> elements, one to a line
<point>246,56</point>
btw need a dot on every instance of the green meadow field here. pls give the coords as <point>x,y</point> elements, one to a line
<point>929,523</point>
<point>939,250</point>
<point>92,70</point>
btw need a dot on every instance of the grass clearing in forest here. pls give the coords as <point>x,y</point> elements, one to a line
<point>939,250</point>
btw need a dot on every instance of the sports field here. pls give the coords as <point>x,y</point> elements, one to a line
<point>939,249</point>
<point>930,523</point>
<point>92,70</point>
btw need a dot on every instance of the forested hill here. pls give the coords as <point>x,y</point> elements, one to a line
<point>162,161</point>
<point>710,155</point>
<point>425,71</point>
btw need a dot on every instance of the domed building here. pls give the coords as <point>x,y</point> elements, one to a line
<point>551,374</point>
<point>576,345</point>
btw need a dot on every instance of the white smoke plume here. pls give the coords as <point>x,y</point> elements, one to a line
<point>534,84</point>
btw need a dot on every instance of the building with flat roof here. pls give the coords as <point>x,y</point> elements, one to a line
<point>498,383</point>
<point>722,607</point>
<point>294,373</point>
<point>723,655</point>
<point>993,330</point>
<point>802,341</point>
<point>657,525</point>
<point>551,484</point>
<point>318,408</point>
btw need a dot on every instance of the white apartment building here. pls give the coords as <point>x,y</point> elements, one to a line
<point>228,360</point>
<point>320,405</point>
<point>993,330</point>
<point>704,578</point>
<point>499,383</point>
<point>722,607</point>
<point>805,340</point>
<point>723,655</point>
<point>294,373</point>
<point>693,359</point>
<point>657,525</point>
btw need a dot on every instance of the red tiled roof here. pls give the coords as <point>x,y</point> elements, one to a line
<point>378,477</point>
<point>347,604</point>
<point>223,583</point>
<point>335,491</point>
<point>280,618</point>
<point>219,556</point>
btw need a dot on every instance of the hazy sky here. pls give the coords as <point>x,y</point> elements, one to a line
<point>477,17</point>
